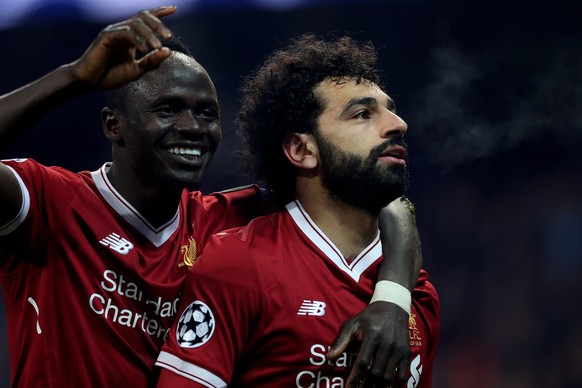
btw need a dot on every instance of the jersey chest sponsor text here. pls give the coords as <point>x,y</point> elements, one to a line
<point>323,373</point>
<point>123,302</point>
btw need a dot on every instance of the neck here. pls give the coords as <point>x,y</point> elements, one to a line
<point>349,228</point>
<point>156,202</point>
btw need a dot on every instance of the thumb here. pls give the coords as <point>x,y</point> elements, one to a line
<point>347,333</point>
<point>154,59</point>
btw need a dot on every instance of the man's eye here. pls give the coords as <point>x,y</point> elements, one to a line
<point>209,115</point>
<point>167,110</point>
<point>364,114</point>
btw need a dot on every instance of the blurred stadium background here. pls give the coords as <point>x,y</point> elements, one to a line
<point>492,93</point>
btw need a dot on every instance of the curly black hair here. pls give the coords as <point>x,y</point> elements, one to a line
<point>278,100</point>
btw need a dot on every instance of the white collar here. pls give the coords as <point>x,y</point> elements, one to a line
<point>157,236</point>
<point>356,267</point>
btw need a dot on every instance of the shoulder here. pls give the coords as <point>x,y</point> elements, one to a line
<point>41,179</point>
<point>258,235</point>
<point>250,199</point>
<point>31,170</point>
<point>242,248</point>
<point>241,201</point>
<point>424,286</point>
<point>426,302</point>
<point>231,196</point>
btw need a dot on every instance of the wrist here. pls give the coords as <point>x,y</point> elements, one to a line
<point>392,292</point>
<point>75,82</point>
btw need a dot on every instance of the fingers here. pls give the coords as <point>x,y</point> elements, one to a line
<point>164,10</point>
<point>361,365</point>
<point>390,366</point>
<point>148,25</point>
<point>382,368</point>
<point>384,351</point>
<point>142,30</point>
<point>348,332</point>
<point>401,372</point>
<point>153,59</point>
<point>111,61</point>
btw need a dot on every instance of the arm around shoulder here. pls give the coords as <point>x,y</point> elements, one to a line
<point>383,326</point>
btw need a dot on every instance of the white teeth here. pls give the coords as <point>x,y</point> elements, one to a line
<point>185,151</point>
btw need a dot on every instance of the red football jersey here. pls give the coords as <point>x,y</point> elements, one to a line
<point>264,303</point>
<point>91,287</point>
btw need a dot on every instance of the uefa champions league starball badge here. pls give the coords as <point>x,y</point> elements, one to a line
<point>196,325</point>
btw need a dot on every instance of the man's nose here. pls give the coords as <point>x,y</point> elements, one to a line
<point>393,125</point>
<point>188,121</point>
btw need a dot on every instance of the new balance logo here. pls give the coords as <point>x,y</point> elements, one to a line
<point>312,307</point>
<point>117,243</point>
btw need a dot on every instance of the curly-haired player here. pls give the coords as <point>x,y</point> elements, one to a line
<point>270,297</point>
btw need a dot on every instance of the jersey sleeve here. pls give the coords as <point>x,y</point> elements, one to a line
<point>426,302</point>
<point>171,378</point>
<point>220,307</point>
<point>45,192</point>
<point>13,224</point>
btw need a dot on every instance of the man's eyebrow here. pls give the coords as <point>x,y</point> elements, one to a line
<point>180,101</point>
<point>360,101</point>
<point>171,99</point>
<point>370,101</point>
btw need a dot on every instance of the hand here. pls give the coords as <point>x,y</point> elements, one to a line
<point>110,61</point>
<point>382,329</point>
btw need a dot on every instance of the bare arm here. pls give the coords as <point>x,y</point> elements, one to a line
<point>382,327</point>
<point>400,244</point>
<point>108,63</point>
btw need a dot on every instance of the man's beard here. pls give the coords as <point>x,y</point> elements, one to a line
<point>361,182</point>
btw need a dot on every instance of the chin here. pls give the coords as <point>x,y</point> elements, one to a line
<point>191,183</point>
<point>184,180</point>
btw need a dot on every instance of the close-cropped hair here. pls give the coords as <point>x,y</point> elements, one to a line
<point>116,98</point>
<point>278,100</point>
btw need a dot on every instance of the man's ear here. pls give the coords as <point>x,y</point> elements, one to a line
<point>111,122</point>
<point>301,150</point>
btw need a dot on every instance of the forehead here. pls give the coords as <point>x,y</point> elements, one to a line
<point>336,95</point>
<point>178,76</point>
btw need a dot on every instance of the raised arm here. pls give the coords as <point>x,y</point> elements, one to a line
<point>108,63</point>
<point>382,327</point>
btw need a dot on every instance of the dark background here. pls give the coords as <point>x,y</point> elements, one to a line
<point>492,93</point>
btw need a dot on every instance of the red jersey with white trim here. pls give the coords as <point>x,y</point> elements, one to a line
<point>90,286</point>
<point>264,303</point>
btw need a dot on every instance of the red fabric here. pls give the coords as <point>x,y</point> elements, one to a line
<point>79,312</point>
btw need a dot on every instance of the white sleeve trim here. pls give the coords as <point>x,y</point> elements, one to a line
<point>189,371</point>
<point>24,208</point>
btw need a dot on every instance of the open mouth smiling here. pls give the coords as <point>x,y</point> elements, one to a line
<point>190,153</point>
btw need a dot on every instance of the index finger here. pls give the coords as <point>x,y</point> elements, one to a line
<point>362,363</point>
<point>152,19</point>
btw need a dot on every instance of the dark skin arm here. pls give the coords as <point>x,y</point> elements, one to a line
<point>382,328</point>
<point>109,62</point>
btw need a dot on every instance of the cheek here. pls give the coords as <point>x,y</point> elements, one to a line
<point>215,134</point>
<point>355,147</point>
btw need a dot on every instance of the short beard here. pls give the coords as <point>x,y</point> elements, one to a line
<point>360,183</point>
